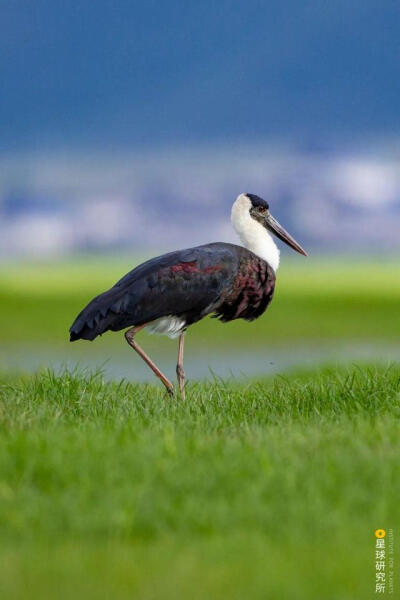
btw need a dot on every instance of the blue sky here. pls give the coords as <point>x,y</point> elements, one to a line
<point>130,73</point>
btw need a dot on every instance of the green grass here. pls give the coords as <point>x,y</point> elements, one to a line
<point>270,489</point>
<point>315,300</point>
<point>265,489</point>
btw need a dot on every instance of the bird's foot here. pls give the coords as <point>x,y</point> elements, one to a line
<point>170,390</point>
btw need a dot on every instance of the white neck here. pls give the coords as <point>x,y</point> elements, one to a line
<point>252,234</point>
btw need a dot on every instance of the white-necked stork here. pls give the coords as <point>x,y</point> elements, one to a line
<point>168,293</point>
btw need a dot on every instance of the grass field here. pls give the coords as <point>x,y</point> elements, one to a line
<point>272,489</point>
<point>269,488</point>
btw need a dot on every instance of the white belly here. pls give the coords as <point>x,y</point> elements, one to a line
<point>171,326</point>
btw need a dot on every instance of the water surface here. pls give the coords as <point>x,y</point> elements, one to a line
<point>238,363</point>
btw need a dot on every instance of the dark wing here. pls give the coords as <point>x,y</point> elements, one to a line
<point>188,283</point>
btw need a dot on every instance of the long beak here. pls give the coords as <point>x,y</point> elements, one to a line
<point>273,225</point>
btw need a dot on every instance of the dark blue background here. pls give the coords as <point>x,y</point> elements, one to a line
<point>132,73</point>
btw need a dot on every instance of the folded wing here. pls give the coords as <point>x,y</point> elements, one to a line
<point>187,283</point>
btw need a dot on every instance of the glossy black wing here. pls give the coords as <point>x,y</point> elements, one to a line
<point>188,283</point>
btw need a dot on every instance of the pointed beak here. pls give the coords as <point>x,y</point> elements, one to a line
<point>273,225</point>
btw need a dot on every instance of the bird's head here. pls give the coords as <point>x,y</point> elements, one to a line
<point>250,205</point>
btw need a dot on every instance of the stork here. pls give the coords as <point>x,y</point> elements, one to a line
<point>170,292</point>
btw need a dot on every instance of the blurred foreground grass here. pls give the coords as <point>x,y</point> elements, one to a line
<point>267,490</point>
<point>315,300</point>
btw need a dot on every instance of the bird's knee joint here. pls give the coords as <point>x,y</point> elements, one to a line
<point>129,336</point>
<point>180,372</point>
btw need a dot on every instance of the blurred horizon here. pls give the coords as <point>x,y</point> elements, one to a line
<point>342,199</point>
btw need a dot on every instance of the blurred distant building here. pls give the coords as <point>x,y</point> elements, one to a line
<point>347,200</point>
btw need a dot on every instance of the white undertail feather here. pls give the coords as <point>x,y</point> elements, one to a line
<point>252,234</point>
<point>172,326</point>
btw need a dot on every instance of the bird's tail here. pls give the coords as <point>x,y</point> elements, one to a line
<point>87,325</point>
<point>97,317</point>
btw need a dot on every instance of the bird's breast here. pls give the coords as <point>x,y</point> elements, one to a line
<point>252,290</point>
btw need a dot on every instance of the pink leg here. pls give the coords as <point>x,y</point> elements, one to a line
<point>129,336</point>
<point>179,367</point>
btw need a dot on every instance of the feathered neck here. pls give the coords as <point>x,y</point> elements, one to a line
<point>252,234</point>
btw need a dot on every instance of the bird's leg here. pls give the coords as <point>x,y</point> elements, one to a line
<point>179,367</point>
<point>129,336</point>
